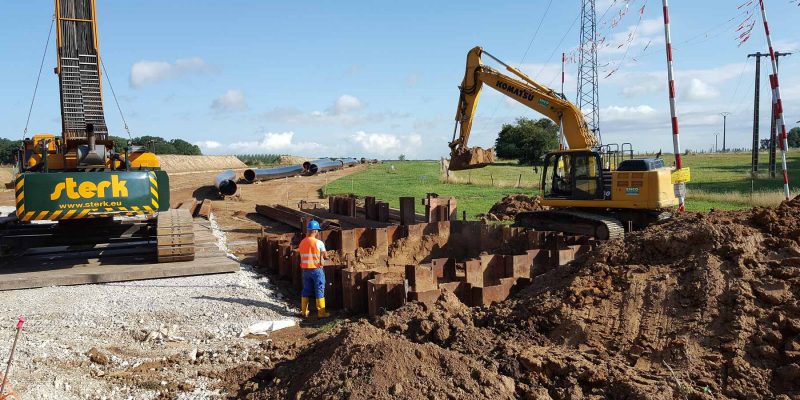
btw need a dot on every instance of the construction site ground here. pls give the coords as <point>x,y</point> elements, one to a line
<point>704,306</point>
<point>163,338</point>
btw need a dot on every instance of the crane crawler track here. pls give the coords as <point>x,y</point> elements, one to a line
<point>599,225</point>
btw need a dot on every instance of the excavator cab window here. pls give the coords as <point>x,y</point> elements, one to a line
<point>573,176</point>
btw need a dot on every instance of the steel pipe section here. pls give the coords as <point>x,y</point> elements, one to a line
<point>255,175</point>
<point>225,183</point>
<point>349,162</point>
<point>321,165</point>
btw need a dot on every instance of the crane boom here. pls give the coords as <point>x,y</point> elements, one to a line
<point>525,90</point>
<point>78,70</point>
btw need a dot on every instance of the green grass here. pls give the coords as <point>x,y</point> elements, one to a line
<point>416,178</point>
<point>719,181</point>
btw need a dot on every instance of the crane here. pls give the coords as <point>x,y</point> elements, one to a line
<point>591,188</point>
<point>85,191</point>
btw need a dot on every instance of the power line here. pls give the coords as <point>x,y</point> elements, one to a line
<point>536,33</point>
<point>39,76</point>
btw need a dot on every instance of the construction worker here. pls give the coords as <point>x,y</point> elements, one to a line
<point>312,254</point>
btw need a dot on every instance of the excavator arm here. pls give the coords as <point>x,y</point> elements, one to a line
<point>522,89</point>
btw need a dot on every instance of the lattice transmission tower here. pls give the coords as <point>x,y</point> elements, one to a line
<point>588,94</point>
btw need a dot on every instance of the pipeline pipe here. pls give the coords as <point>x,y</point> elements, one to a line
<point>349,162</point>
<point>225,183</point>
<point>254,175</point>
<point>322,165</point>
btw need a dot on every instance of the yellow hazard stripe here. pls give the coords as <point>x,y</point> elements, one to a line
<point>55,215</point>
<point>28,215</point>
<point>154,192</point>
<point>147,208</point>
<point>69,214</point>
<point>20,183</point>
<point>135,208</point>
<point>41,215</point>
<point>153,181</point>
<point>83,213</point>
<point>20,197</point>
<point>155,204</point>
<point>21,209</point>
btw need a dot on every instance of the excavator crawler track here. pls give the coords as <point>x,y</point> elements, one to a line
<point>599,225</point>
<point>174,236</point>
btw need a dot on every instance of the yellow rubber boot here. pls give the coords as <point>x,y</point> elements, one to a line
<point>321,312</point>
<point>304,307</point>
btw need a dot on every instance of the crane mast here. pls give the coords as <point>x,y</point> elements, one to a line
<point>78,70</point>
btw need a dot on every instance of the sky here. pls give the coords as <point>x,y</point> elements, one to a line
<point>380,79</point>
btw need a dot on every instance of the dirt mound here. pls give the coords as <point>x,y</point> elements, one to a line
<point>292,160</point>
<point>511,205</point>
<point>178,163</point>
<point>699,307</point>
<point>361,361</point>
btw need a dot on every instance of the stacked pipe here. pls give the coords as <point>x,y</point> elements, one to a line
<point>349,162</point>
<point>255,175</point>
<point>321,165</point>
<point>225,183</point>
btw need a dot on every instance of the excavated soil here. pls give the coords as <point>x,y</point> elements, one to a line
<point>511,205</point>
<point>178,163</point>
<point>704,306</point>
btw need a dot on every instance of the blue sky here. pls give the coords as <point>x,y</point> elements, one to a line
<point>378,79</point>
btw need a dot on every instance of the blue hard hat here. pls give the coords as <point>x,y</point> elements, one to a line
<point>313,225</point>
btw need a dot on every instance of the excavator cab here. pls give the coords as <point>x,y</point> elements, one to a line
<point>574,175</point>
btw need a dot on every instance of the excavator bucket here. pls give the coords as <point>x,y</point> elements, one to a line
<point>468,158</point>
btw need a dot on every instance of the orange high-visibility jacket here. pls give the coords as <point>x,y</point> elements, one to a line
<point>310,254</point>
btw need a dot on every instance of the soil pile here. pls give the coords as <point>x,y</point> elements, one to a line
<point>511,205</point>
<point>703,306</point>
<point>178,163</point>
<point>361,361</point>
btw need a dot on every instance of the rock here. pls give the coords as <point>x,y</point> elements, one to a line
<point>97,357</point>
<point>509,383</point>
<point>396,389</point>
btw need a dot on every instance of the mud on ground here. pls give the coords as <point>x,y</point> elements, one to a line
<point>701,307</point>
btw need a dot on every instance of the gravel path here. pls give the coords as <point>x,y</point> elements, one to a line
<point>193,324</point>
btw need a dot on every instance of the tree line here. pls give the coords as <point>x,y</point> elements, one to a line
<point>159,145</point>
<point>528,140</point>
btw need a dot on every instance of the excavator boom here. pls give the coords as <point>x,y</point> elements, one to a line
<point>522,89</point>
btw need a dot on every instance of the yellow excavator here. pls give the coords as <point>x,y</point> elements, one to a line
<point>589,189</point>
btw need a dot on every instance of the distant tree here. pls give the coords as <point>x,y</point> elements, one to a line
<point>119,143</point>
<point>527,140</point>
<point>402,157</point>
<point>185,148</point>
<point>794,137</point>
<point>7,150</point>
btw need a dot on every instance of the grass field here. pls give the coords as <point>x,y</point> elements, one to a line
<point>719,181</point>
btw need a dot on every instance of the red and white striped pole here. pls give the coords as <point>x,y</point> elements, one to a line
<point>561,125</point>
<point>676,143</point>
<point>778,105</point>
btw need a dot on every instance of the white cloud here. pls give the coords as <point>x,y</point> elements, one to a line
<point>208,144</point>
<point>232,100</point>
<point>387,144</point>
<point>626,113</point>
<point>697,90</point>
<point>344,104</point>
<point>346,110</point>
<point>276,143</point>
<point>146,72</point>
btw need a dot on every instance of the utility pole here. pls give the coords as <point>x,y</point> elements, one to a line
<point>716,136</point>
<point>724,130</point>
<point>757,96</point>
<point>773,126</point>
<point>588,94</point>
